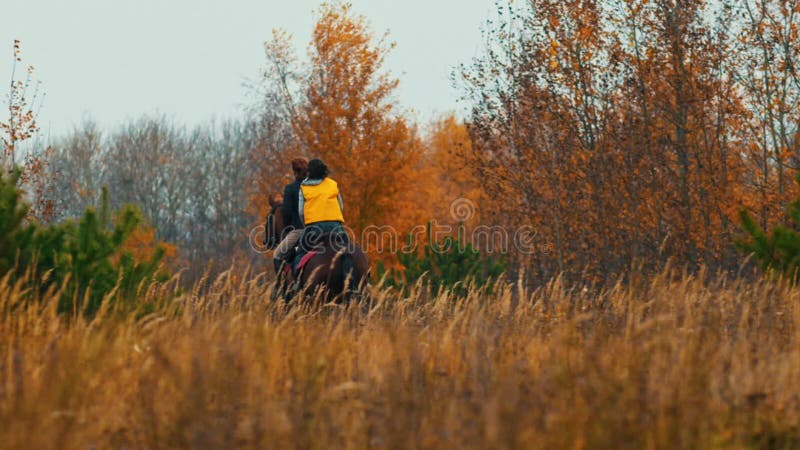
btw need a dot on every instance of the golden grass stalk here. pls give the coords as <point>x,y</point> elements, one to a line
<point>663,363</point>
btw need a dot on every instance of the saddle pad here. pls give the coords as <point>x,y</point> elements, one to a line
<point>305,259</point>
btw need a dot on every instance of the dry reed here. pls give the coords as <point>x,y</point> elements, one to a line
<point>673,362</point>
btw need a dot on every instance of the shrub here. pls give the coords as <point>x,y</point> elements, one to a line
<point>451,263</point>
<point>85,257</point>
<point>777,251</point>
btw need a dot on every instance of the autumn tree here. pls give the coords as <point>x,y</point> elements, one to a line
<point>768,52</point>
<point>683,59</point>
<point>20,124</point>
<point>540,100</point>
<point>444,177</point>
<point>615,129</point>
<point>24,100</point>
<point>342,110</point>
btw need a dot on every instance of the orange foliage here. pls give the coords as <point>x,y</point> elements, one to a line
<point>21,126</point>
<point>21,122</point>
<point>621,134</point>
<point>443,176</point>
<point>344,114</point>
<point>142,244</point>
<point>624,135</point>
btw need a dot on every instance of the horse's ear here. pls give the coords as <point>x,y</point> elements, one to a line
<point>275,199</point>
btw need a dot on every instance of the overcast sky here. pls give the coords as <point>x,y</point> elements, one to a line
<point>112,60</point>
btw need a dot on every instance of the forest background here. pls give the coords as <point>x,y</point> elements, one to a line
<point>616,134</point>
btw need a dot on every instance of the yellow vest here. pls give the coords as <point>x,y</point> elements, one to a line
<point>321,202</point>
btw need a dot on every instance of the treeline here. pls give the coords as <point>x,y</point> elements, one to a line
<point>190,184</point>
<point>619,133</point>
<point>633,132</point>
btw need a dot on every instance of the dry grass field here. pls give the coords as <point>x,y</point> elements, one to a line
<point>671,362</point>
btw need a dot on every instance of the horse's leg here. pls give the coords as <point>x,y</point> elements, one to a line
<point>288,285</point>
<point>349,275</point>
<point>280,285</point>
<point>313,277</point>
<point>358,267</point>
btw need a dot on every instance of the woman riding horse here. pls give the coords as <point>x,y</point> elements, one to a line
<point>320,204</point>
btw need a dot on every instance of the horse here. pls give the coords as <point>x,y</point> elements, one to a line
<point>339,269</point>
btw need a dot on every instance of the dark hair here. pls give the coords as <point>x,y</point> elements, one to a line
<point>317,169</point>
<point>300,167</point>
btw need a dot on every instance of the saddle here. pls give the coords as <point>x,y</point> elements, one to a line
<point>298,261</point>
<point>309,246</point>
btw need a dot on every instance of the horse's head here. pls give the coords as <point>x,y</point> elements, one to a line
<point>274,227</point>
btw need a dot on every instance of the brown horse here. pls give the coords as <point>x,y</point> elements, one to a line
<point>340,269</point>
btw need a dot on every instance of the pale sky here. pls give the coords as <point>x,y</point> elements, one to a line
<point>112,60</point>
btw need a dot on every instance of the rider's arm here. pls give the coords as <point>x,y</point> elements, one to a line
<point>301,203</point>
<point>286,208</point>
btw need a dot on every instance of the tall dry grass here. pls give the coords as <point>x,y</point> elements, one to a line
<point>672,362</point>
